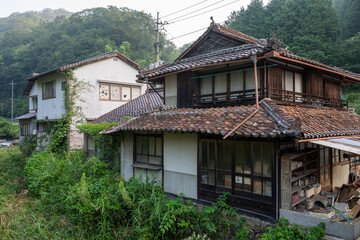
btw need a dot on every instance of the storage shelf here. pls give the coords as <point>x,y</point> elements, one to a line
<point>297,188</point>
<point>298,176</point>
<point>298,167</point>
<point>301,200</point>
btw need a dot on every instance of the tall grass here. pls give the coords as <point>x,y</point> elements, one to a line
<point>20,214</point>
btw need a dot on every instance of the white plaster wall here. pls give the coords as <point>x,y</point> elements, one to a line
<point>52,108</point>
<point>126,152</point>
<point>340,175</point>
<point>171,90</point>
<point>180,163</point>
<point>33,93</point>
<point>112,69</point>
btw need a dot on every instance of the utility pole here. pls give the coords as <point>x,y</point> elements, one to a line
<point>159,27</point>
<point>12,100</point>
<point>2,109</point>
<point>157,44</point>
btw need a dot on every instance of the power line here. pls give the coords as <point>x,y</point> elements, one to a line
<point>205,12</point>
<point>185,8</point>
<point>191,32</point>
<point>17,83</point>
<point>173,36</point>
<point>195,11</point>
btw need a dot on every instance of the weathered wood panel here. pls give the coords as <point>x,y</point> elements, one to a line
<point>314,84</point>
<point>186,89</point>
<point>275,77</point>
<point>332,90</point>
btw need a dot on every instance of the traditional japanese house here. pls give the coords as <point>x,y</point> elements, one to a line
<point>244,115</point>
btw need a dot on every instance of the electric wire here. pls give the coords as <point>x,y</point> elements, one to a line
<point>196,10</point>
<point>173,37</point>
<point>192,32</point>
<point>185,8</point>
<point>204,12</point>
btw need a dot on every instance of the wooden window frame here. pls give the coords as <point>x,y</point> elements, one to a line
<point>252,176</point>
<point>148,155</point>
<point>121,86</point>
<point>25,129</point>
<point>43,85</point>
<point>34,101</point>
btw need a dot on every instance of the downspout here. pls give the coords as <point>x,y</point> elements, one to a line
<point>253,58</point>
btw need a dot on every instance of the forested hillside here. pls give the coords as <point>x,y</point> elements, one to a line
<point>33,42</point>
<point>323,30</point>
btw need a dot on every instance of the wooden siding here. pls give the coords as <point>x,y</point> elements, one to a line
<point>186,89</point>
<point>314,84</point>
<point>332,90</point>
<point>275,75</point>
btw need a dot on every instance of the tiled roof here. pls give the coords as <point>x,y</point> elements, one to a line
<point>225,55</point>
<point>26,116</point>
<point>272,120</point>
<point>254,46</point>
<point>236,34</point>
<point>133,108</point>
<point>224,31</point>
<point>306,60</point>
<point>218,121</point>
<point>114,53</point>
<point>315,122</point>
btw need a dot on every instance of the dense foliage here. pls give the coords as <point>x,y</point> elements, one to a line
<point>103,143</point>
<point>42,44</point>
<point>285,231</point>
<point>21,215</point>
<point>8,130</point>
<point>323,30</point>
<point>100,203</point>
<point>307,27</point>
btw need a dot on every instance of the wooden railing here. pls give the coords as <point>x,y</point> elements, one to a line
<point>278,95</point>
<point>289,97</point>
<point>227,98</point>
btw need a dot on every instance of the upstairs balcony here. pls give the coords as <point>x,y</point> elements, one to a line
<point>280,96</point>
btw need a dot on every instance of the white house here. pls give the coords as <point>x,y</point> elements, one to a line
<point>95,86</point>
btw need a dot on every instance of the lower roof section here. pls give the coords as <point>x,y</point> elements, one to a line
<point>271,120</point>
<point>217,121</point>
<point>26,116</point>
<point>349,144</point>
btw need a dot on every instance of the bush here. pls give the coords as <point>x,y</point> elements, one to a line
<point>28,145</point>
<point>8,129</point>
<point>284,230</point>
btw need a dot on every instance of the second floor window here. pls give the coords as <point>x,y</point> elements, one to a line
<point>49,90</point>
<point>34,103</point>
<point>239,81</point>
<point>116,92</point>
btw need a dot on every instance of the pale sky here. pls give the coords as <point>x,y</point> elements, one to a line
<point>219,9</point>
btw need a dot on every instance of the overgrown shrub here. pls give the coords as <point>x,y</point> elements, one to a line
<point>284,230</point>
<point>8,129</point>
<point>28,145</point>
<point>106,149</point>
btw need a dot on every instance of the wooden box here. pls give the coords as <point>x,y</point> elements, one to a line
<point>309,192</point>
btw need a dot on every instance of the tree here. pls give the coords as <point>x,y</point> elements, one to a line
<point>250,21</point>
<point>349,16</point>
<point>308,27</point>
<point>36,42</point>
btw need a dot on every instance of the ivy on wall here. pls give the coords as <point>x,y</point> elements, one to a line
<point>106,147</point>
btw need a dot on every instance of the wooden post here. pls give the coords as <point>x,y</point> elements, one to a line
<point>253,58</point>
<point>148,96</point>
